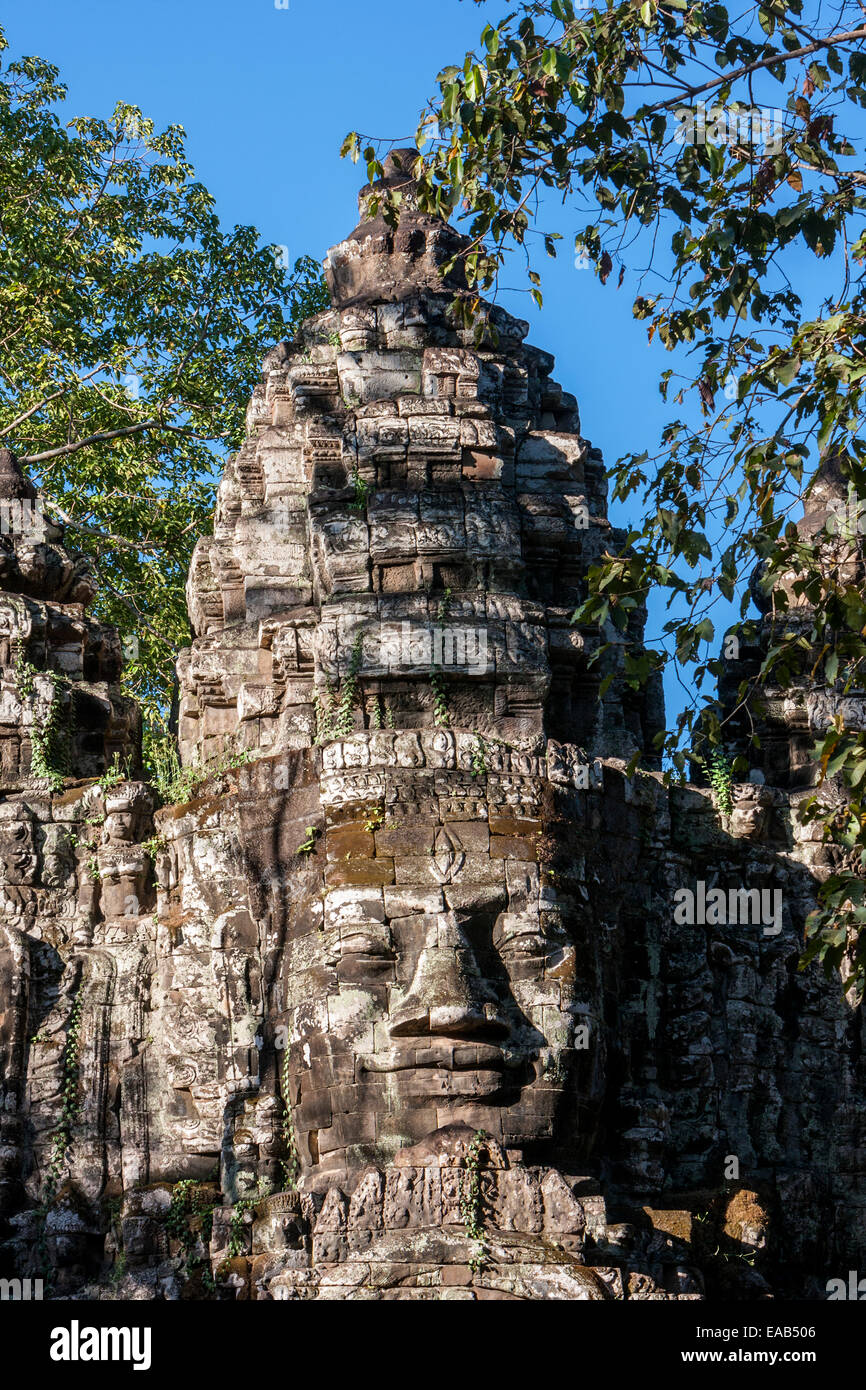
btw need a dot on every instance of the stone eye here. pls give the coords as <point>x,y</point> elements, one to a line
<point>364,942</point>
<point>525,939</point>
<point>365,954</point>
<point>521,939</point>
<point>526,944</point>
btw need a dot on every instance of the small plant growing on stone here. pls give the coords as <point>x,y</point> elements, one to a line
<point>335,712</point>
<point>177,785</point>
<point>308,844</point>
<point>441,717</point>
<point>162,763</point>
<point>324,706</point>
<point>375,819</point>
<point>24,670</point>
<point>479,758</point>
<point>344,724</point>
<point>113,774</point>
<point>362,491</point>
<point>720,775</point>
<point>118,1270</point>
<point>51,740</point>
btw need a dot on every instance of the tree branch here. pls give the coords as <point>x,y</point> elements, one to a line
<point>62,391</point>
<point>779,57</point>
<point>124,433</point>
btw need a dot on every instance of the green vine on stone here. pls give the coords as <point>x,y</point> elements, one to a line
<point>443,609</point>
<point>349,693</point>
<point>471,1201</point>
<point>62,1138</point>
<point>479,758</point>
<point>324,707</point>
<point>237,1221</point>
<point>291,1163</point>
<point>190,1223</point>
<point>720,775</point>
<point>441,717</point>
<point>335,714</point>
<point>24,671</point>
<point>69,1111</point>
<point>50,741</point>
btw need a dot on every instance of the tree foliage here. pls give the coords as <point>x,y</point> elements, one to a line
<point>132,328</point>
<point>713,155</point>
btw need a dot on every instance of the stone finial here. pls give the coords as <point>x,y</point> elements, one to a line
<point>827,497</point>
<point>398,175</point>
<point>13,483</point>
<point>385,264</point>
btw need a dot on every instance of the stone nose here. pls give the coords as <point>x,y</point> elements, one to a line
<point>449,995</point>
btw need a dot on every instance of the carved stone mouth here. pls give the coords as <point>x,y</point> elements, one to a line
<point>438,1056</point>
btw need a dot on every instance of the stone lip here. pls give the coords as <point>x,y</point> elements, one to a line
<point>449,1147</point>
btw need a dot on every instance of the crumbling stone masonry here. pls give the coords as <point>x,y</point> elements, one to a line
<point>402,996</point>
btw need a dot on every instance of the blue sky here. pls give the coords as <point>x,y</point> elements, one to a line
<point>266,96</point>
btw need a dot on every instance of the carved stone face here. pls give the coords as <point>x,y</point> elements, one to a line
<point>119,827</point>
<point>18,856</point>
<point>458,995</point>
<point>751,812</point>
<point>58,860</point>
<point>125,811</point>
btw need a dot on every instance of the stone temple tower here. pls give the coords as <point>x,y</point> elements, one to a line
<point>402,995</point>
<point>397,477</point>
